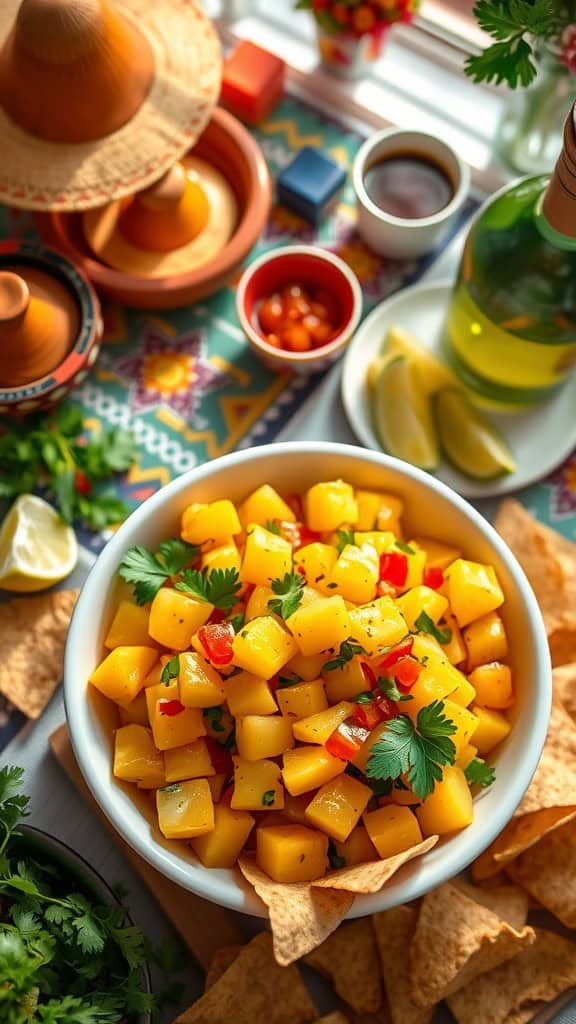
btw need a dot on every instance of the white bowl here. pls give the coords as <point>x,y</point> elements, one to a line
<point>431,508</point>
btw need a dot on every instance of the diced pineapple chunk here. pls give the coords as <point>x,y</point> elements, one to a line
<point>449,808</point>
<point>257,785</point>
<point>465,722</point>
<point>379,511</point>
<point>172,730</point>
<point>321,625</point>
<point>263,647</point>
<point>214,522</point>
<point>318,728</point>
<point>438,554</point>
<point>317,560</point>
<point>223,556</point>
<point>199,683</point>
<point>330,505</point>
<point>247,694</point>
<point>185,809</point>
<point>302,699</point>
<point>216,783</point>
<point>175,617</point>
<point>121,675</point>
<point>266,556</point>
<point>338,806</point>
<point>135,712</point>
<point>380,540</point>
<point>307,768</point>
<point>485,640</point>
<point>493,685</point>
<point>355,574</point>
<point>357,849</point>
<point>262,505</point>
<point>466,755</point>
<point>392,829</point>
<point>291,853</point>
<point>473,590</point>
<point>191,761</point>
<point>455,649</point>
<point>260,736</point>
<point>363,756</point>
<point>492,728</point>
<point>377,625</point>
<point>422,599</point>
<point>136,759</point>
<point>307,666</point>
<point>347,682</point>
<point>416,566</point>
<point>258,602</point>
<point>129,627</point>
<point>221,847</point>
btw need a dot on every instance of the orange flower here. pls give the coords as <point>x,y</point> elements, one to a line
<point>363,19</point>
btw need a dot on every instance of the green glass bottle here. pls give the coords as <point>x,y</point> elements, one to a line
<point>511,324</point>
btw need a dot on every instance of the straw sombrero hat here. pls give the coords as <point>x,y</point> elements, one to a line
<point>98,98</point>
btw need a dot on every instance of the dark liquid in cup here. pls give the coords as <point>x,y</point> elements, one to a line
<point>408,185</point>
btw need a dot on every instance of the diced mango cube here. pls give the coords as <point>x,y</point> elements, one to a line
<point>464,693</point>
<point>216,521</point>
<point>136,759</point>
<point>473,590</point>
<point>129,627</point>
<point>175,617</point>
<point>392,829</point>
<point>135,712</point>
<point>259,736</point>
<point>221,847</point>
<point>485,640</point>
<point>455,649</point>
<point>377,625</point>
<point>257,785</point>
<point>263,505</point>
<point>378,511</point>
<point>223,556</point>
<point>321,625</point>
<point>263,646</point>
<point>357,849</point>
<point>216,783</point>
<point>267,556</point>
<point>330,505</point>
<point>302,699</point>
<point>338,806</point>
<point>247,694</point>
<point>465,722</point>
<point>199,683</point>
<point>291,853</point>
<point>438,554</point>
<point>421,599</point>
<point>449,808</point>
<point>492,728</point>
<point>258,602</point>
<point>318,728</point>
<point>380,540</point>
<point>191,761</point>
<point>355,573</point>
<point>437,679</point>
<point>363,756</point>
<point>295,808</point>
<point>347,682</point>
<point>185,809</point>
<point>307,768</point>
<point>317,560</point>
<point>307,666</point>
<point>169,729</point>
<point>466,755</point>
<point>416,565</point>
<point>493,685</point>
<point>121,675</point>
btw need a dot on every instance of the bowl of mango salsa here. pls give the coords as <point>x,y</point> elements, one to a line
<point>314,657</point>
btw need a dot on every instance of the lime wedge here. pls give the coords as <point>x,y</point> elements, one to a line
<point>469,440</point>
<point>37,549</point>
<point>433,373</point>
<point>403,414</point>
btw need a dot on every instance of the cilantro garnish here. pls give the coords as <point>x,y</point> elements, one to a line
<point>345,537</point>
<point>219,587</point>
<point>426,625</point>
<point>478,773</point>
<point>289,590</point>
<point>268,798</point>
<point>272,526</point>
<point>348,648</point>
<point>515,25</point>
<point>419,750</point>
<point>171,670</point>
<point>147,572</point>
<point>237,621</point>
<point>389,687</point>
<point>291,680</point>
<point>336,861</point>
<point>401,546</point>
<point>366,697</point>
<point>214,716</point>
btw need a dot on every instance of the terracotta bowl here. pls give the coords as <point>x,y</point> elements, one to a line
<point>309,266</point>
<point>230,147</point>
<point>50,389</point>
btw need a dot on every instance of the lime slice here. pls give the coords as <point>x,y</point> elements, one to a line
<point>469,440</point>
<point>37,549</point>
<point>433,373</point>
<point>403,414</point>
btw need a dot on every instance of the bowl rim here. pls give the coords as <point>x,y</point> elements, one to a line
<point>237,895</point>
<point>323,351</point>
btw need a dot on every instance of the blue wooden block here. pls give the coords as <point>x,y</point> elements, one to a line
<point>310,183</point>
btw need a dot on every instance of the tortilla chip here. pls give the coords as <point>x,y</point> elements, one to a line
<point>220,963</point>
<point>300,917</point>
<point>254,988</point>
<point>370,877</point>
<point>548,873</point>
<point>513,992</point>
<point>333,1018</point>
<point>549,802</point>
<point>456,939</point>
<point>564,686</point>
<point>394,930</point>
<point>509,902</point>
<point>350,958</point>
<point>32,638</point>
<point>382,1017</point>
<point>562,641</point>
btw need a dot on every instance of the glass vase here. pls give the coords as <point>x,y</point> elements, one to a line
<point>530,132</point>
<point>349,56</point>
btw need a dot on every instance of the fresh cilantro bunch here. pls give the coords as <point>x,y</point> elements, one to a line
<point>148,571</point>
<point>419,751</point>
<point>49,452</point>
<point>65,958</point>
<point>516,26</point>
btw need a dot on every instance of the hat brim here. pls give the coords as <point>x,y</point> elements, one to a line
<point>40,175</point>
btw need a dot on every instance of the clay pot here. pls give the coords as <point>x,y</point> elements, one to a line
<point>228,146</point>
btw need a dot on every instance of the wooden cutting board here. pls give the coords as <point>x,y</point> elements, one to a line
<point>204,927</point>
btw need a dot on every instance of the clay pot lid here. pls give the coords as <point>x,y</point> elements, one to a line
<point>167,215</point>
<point>97,100</point>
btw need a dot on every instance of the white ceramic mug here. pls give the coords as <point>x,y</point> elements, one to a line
<point>398,236</point>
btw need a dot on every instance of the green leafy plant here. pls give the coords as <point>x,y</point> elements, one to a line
<point>390,688</point>
<point>419,751</point>
<point>516,27</point>
<point>348,648</point>
<point>219,587</point>
<point>345,538</point>
<point>478,773</point>
<point>147,572</point>
<point>289,590</point>
<point>427,625</point>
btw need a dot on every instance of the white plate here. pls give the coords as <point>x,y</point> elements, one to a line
<point>540,438</point>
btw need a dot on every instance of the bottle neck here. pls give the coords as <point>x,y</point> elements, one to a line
<point>556,211</point>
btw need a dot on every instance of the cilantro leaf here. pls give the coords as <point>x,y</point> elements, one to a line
<point>272,526</point>
<point>345,537</point>
<point>366,697</point>
<point>389,687</point>
<point>148,572</point>
<point>13,804</point>
<point>418,751</point>
<point>405,548</point>
<point>426,625</point>
<point>289,590</point>
<point>237,621</point>
<point>514,25</point>
<point>219,587</point>
<point>268,798</point>
<point>478,773</point>
<point>171,670</point>
<point>348,648</point>
<point>291,680</point>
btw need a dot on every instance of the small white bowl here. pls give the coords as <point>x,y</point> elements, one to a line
<point>431,508</point>
<point>401,237</point>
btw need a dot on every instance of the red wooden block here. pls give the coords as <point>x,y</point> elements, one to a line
<point>252,82</point>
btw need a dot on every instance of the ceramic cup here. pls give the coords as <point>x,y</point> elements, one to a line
<point>397,236</point>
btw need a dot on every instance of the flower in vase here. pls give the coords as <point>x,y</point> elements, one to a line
<point>568,51</point>
<point>359,18</point>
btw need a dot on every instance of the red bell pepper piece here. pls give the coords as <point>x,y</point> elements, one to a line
<point>397,652</point>
<point>171,707</point>
<point>220,757</point>
<point>372,713</point>
<point>216,639</point>
<point>406,672</point>
<point>368,673</point>
<point>433,578</point>
<point>394,568</point>
<point>297,534</point>
<point>346,740</point>
<point>218,615</point>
